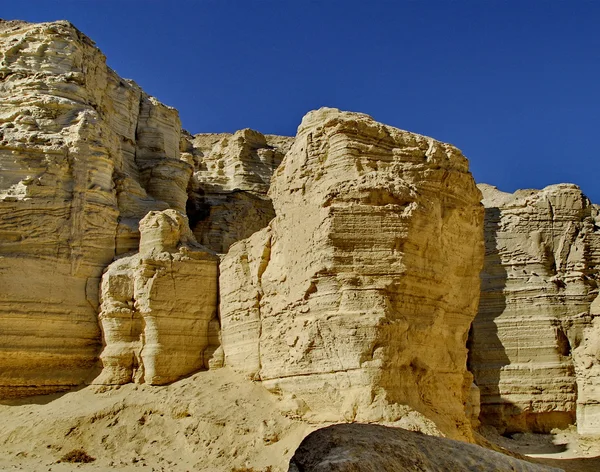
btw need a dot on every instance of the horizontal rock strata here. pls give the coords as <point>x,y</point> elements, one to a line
<point>228,192</point>
<point>349,299</point>
<point>531,347</point>
<point>84,155</point>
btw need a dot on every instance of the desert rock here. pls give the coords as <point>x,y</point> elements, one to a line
<point>228,192</point>
<point>84,155</point>
<point>374,448</point>
<point>157,305</point>
<point>348,300</point>
<point>534,343</point>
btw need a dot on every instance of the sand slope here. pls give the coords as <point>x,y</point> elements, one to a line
<point>215,420</point>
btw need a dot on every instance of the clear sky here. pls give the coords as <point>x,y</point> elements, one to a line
<point>514,84</point>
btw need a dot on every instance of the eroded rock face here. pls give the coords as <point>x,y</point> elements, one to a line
<point>372,448</point>
<point>228,192</point>
<point>84,155</point>
<point>359,295</point>
<point>532,347</point>
<point>157,305</point>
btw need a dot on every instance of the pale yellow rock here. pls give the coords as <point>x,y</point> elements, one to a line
<point>350,299</point>
<point>532,348</point>
<point>84,155</point>
<point>157,305</point>
<point>228,199</point>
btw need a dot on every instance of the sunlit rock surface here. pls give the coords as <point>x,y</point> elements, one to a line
<point>359,295</point>
<point>84,155</point>
<point>157,305</point>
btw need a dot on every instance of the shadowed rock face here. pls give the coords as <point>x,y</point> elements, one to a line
<point>84,155</point>
<point>532,348</point>
<point>374,448</point>
<point>228,191</point>
<point>360,293</point>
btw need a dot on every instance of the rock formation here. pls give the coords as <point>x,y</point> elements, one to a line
<point>157,305</point>
<point>534,347</point>
<point>350,268</point>
<point>84,155</point>
<point>228,192</point>
<point>374,448</point>
<point>349,300</point>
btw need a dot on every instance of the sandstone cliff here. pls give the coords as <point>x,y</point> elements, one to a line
<point>84,155</point>
<point>534,345</point>
<point>349,275</point>
<point>348,300</point>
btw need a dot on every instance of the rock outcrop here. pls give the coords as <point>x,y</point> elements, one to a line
<point>534,347</point>
<point>374,448</point>
<point>228,192</point>
<point>350,269</point>
<point>157,305</point>
<point>84,155</point>
<point>359,295</point>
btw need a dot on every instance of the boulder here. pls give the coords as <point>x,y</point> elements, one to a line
<point>375,448</point>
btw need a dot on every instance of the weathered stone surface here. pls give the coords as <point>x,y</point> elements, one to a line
<point>157,305</point>
<point>228,196</point>
<point>84,155</point>
<point>359,295</point>
<point>533,346</point>
<point>375,448</point>
<point>586,358</point>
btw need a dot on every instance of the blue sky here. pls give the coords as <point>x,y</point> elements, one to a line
<point>514,84</point>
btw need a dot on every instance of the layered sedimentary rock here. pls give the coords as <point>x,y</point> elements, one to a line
<point>157,305</point>
<point>228,192</point>
<point>371,448</point>
<point>359,295</point>
<point>84,155</point>
<point>532,348</point>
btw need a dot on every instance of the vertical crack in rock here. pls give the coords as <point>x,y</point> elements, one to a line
<point>173,284</point>
<point>228,191</point>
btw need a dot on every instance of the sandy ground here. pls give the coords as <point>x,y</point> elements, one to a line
<point>564,449</point>
<point>211,421</point>
<point>214,420</point>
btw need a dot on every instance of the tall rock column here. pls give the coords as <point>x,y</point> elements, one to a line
<point>358,297</point>
<point>157,305</point>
